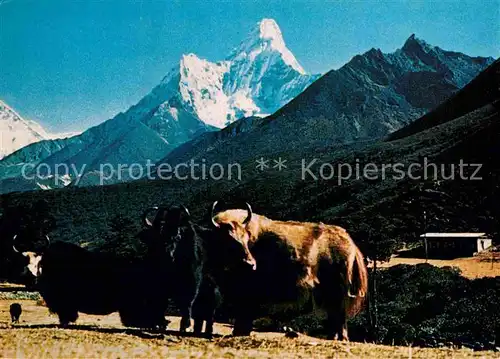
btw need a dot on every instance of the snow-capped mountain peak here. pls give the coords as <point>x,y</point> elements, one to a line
<point>259,76</point>
<point>16,131</point>
<point>271,33</point>
<point>266,37</point>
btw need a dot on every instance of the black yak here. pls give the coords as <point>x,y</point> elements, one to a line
<point>192,289</point>
<point>72,279</point>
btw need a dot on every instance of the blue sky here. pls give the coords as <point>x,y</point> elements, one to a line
<point>73,64</point>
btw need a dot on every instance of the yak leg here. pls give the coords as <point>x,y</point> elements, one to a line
<point>185,320</point>
<point>243,323</point>
<point>186,296</point>
<point>209,327</point>
<point>337,327</point>
<point>210,319</point>
<point>184,303</point>
<point>336,322</point>
<point>209,314</point>
<point>243,319</point>
<point>198,326</point>
<point>245,312</point>
<point>332,296</point>
<point>205,304</point>
<point>67,316</point>
<point>242,328</point>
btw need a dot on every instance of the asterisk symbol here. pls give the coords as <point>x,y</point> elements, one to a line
<point>279,164</point>
<point>262,164</point>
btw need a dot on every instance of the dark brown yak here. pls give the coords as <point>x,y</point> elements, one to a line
<point>288,266</point>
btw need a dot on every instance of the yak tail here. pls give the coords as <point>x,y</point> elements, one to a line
<point>359,285</point>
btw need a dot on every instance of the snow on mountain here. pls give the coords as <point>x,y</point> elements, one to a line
<point>258,77</point>
<point>17,132</point>
<point>263,72</point>
<point>266,38</point>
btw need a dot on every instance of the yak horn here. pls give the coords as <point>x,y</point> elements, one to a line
<point>145,221</point>
<point>186,210</point>
<point>47,238</point>
<point>217,225</point>
<point>249,217</point>
<point>13,246</point>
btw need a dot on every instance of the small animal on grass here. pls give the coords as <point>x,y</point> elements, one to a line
<point>15,312</point>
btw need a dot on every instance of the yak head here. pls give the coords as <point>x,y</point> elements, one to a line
<point>232,235</point>
<point>34,258</point>
<point>165,231</point>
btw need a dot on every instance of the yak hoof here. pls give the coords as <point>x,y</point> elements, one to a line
<point>290,333</point>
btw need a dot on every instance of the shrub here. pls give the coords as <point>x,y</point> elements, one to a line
<point>426,305</point>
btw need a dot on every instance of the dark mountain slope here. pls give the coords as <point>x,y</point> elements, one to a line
<point>377,93</point>
<point>484,89</point>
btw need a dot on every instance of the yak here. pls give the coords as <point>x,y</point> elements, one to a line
<point>72,279</point>
<point>15,312</point>
<point>278,268</point>
<point>192,289</point>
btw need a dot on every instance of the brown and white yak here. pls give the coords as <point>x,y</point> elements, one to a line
<point>281,268</point>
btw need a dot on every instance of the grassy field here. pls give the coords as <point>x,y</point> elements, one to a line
<point>37,336</point>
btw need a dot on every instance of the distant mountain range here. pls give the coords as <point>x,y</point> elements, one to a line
<point>194,111</point>
<point>368,98</point>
